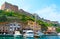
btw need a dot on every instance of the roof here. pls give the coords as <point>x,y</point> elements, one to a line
<point>3,22</point>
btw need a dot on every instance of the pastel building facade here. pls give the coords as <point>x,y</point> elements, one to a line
<point>33,25</point>
<point>14,26</point>
<point>9,28</point>
<point>4,27</point>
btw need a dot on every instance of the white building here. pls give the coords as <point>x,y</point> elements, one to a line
<point>14,26</point>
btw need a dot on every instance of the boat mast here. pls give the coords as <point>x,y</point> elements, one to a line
<point>35,20</point>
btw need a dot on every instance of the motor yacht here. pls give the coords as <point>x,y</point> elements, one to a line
<point>29,33</point>
<point>17,33</point>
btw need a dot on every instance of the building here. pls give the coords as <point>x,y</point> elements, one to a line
<point>33,25</point>
<point>9,28</point>
<point>8,6</point>
<point>4,27</point>
<point>37,17</point>
<point>50,30</point>
<point>55,22</point>
<point>14,26</point>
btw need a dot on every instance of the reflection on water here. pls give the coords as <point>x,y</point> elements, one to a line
<point>49,37</point>
<point>52,37</point>
<point>21,37</point>
<point>29,38</point>
<point>45,37</point>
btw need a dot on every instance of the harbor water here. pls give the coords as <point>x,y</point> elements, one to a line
<point>21,37</point>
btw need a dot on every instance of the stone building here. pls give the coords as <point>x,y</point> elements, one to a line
<point>8,6</point>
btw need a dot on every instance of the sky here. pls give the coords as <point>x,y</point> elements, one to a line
<point>47,9</point>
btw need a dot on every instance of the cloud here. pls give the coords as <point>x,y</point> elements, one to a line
<point>49,12</point>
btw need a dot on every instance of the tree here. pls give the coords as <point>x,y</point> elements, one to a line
<point>23,19</point>
<point>3,18</point>
<point>1,11</point>
<point>58,30</point>
<point>43,25</point>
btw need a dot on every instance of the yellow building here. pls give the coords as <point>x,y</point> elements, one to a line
<point>34,26</point>
<point>50,30</point>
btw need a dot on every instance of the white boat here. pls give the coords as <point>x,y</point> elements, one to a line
<point>17,33</point>
<point>29,33</point>
<point>39,34</point>
<point>58,33</point>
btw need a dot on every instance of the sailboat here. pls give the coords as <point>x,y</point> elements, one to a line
<point>39,33</point>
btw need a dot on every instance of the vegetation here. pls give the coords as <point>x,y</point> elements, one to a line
<point>58,29</point>
<point>11,15</point>
<point>3,18</point>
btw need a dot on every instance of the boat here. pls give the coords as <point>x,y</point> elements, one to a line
<point>38,34</point>
<point>29,33</point>
<point>17,33</point>
<point>58,33</point>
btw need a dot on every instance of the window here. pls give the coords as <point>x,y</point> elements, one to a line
<point>10,24</point>
<point>31,23</point>
<point>3,30</point>
<point>0,30</point>
<point>30,33</point>
<point>10,27</point>
<point>14,24</point>
<point>6,30</point>
<point>18,25</point>
<point>15,28</point>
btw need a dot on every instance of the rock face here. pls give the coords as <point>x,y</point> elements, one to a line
<point>24,12</point>
<point>8,6</point>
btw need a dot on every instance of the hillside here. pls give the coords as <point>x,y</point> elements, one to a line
<point>10,16</point>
